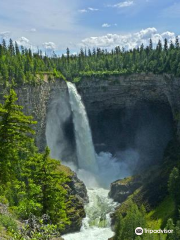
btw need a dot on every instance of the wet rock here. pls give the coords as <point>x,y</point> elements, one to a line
<point>78,188</point>
<point>76,197</point>
<point>122,188</point>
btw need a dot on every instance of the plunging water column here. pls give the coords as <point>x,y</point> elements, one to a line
<point>84,144</point>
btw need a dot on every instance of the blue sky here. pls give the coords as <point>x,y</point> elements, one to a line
<point>58,24</point>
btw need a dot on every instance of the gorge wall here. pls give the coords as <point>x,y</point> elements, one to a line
<point>126,92</point>
<point>105,97</point>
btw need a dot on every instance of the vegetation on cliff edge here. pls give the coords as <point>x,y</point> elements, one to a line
<point>19,65</point>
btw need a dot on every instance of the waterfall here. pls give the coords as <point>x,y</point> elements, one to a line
<point>97,224</point>
<point>84,144</point>
<point>65,107</point>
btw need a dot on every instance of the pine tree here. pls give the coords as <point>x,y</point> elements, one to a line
<point>171,45</point>
<point>45,185</point>
<point>17,49</point>
<point>173,185</point>
<point>11,47</point>
<point>177,42</point>
<point>68,54</point>
<point>159,46</point>
<point>150,45</point>
<point>14,134</point>
<point>165,44</point>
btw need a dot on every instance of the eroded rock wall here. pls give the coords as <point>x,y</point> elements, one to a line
<point>108,93</point>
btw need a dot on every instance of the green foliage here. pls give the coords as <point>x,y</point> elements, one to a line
<point>8,223</point>
<point>176,230</point>
<point>173,186</point>
<point>15,133</point>
<point>125,227</point>
<point>36,229</point>
<point>42,191</point>
<point>23,66</point>
<point>31,182</point>
<point>174,180</point>
<point>158,217</point>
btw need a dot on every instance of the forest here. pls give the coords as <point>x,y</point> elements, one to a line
<point>19,65</point>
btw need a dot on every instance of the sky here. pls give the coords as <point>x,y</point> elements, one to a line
<point>58,24</point>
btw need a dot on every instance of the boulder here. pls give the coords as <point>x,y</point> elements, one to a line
<point>122,188</point>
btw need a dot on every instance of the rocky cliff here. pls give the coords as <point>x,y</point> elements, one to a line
<point>76,191</point>
<point>128,91</point>
<point>35,100</point>
<point>104,96</point>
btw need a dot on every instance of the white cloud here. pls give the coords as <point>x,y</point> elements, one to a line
<point>146,33</point>
<point>123,4</point>
<point>93,9</point>
<point>89,9</point>
<point>23,41</point>
<point>33,30</point>
<point>49,45</point>
<point>128,41</point>
<point>106,25</point>
<point>82,10</point>
<point>5,35</point>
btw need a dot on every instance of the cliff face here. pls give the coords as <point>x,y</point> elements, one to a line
<point>104,96</point>
<point>139,111</point>
<point>35,100</point>
<point>127,91</point>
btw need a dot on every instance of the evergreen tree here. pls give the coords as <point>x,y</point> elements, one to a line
<point>150,45</point>
<point>165,44</point>
<point>177,42</point>
<point>14,135</point>
<point>11,47</point>
<point>45,188</point>
<point>173,186</point>
<point>125,228</point>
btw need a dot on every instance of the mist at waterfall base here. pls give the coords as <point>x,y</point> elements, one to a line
<point>110,168</point>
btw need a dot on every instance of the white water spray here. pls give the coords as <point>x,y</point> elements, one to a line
<point>97,224</point>
<point>58,114</point>
<point>84,143</point>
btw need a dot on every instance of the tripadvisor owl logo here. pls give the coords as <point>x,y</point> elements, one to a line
<point>138,231</point>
